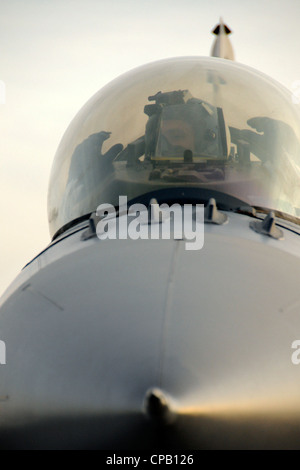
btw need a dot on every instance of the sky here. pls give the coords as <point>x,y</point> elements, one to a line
<point>55,54</point>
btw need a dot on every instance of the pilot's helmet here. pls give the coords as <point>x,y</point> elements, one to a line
<point>179,123</point>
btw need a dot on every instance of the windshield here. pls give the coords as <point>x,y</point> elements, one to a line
<point>199,123</point>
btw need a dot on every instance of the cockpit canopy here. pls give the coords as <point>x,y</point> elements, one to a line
<point>200,124</point>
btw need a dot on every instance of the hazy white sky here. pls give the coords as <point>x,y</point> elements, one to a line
<point>55,54</point>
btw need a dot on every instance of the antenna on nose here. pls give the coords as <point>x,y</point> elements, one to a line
<point>222,46</point>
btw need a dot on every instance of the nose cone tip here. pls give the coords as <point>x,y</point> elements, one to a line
<point>158,407</point>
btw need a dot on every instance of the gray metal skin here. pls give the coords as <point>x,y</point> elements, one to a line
<point>91,326</point>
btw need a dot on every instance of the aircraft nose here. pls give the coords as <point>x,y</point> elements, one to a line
<point>226,340</point>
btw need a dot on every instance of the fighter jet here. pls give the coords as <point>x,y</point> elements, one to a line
<point>164,313</point>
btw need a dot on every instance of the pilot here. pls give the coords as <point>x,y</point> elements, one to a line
<point>176,136</point>
<point>178,122</point>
